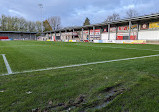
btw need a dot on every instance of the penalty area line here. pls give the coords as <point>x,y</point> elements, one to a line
<point>85,64</point>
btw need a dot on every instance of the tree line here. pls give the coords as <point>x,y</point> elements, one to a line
<point>9,23</point>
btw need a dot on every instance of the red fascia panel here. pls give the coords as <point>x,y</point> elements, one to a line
<point>133,37</point>
<point>85,40</point>
<point>120,38</point>
<point>3,37</point>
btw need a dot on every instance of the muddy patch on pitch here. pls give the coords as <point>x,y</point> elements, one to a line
<point>82,103</point>
<point>68,106</point>
<point>104,97</point>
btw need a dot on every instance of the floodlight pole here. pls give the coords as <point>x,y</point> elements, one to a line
<point>60,35</point>
<point>82,33</point>
<point>41,7</point>
<point>137,31</point>
<point>116,32</point>
<point>66,34</point>
<point>129,29</point>
<point>108,31</point>
<point>55,35</point>
<point>73,33</point>
<point>93,32</point>
<point>100,33</point>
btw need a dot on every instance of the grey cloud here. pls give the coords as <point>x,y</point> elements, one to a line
<point>73,12</point>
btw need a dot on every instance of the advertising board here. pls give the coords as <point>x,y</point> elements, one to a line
<point>144,26</point>
<point>154,25</point>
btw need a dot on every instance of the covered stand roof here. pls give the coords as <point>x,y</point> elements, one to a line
<point>18,32</point>
<point>134,19</point>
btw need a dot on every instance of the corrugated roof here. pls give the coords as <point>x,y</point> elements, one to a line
<point>146,17</point>
<point>17,32</point>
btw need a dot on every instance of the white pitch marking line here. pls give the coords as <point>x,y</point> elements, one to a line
<point>7,64</point>
<point>85,64</point>
<point>121,48</point>
<point>24,45</point>
<point>86,45</point>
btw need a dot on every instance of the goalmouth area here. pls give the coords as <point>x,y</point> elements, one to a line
<point>58,76</point>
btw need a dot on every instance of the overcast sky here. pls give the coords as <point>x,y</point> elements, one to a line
<point>74,12</point>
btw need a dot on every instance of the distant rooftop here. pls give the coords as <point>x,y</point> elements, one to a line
<point>18,32</point>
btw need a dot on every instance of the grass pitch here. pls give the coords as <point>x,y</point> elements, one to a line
<point>130,85</point>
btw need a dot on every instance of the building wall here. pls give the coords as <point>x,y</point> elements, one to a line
<point>85,35</point>
<point>104,36</point>
<point>42,38</point>
<point>112,36</point>
<point>63,36</point>
<point>149,31</point>
<point>148,35</point>
<point>79,35</point>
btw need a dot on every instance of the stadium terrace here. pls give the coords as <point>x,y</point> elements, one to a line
<point>17,35</point>
<point>138,30</point>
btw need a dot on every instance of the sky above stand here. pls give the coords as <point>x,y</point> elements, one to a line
<point>74,12</point>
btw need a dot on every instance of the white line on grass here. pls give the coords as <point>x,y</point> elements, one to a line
<point>84,45</point>
<point>120,48</point>
<point>78,65</point>
<point>7,64</point>
<point>25,45</point>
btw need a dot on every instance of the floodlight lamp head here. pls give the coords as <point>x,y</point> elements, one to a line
<point>40,5</point>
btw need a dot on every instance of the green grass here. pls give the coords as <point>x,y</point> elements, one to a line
<point>139,77</point>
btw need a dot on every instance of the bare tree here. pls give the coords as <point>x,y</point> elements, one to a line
<point>38,26</point>
<point>31,26</point>
<point>3,23</point>
<point>22,24</point>
<point>14,21</point>
<point>113,17</point>
<point>131,13</point>
<point>55,22</point>
<point>8,23</point>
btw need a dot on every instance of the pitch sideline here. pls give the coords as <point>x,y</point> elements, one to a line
<point>86,45</point>
<point>7,64</point>
<point>85,64</point>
